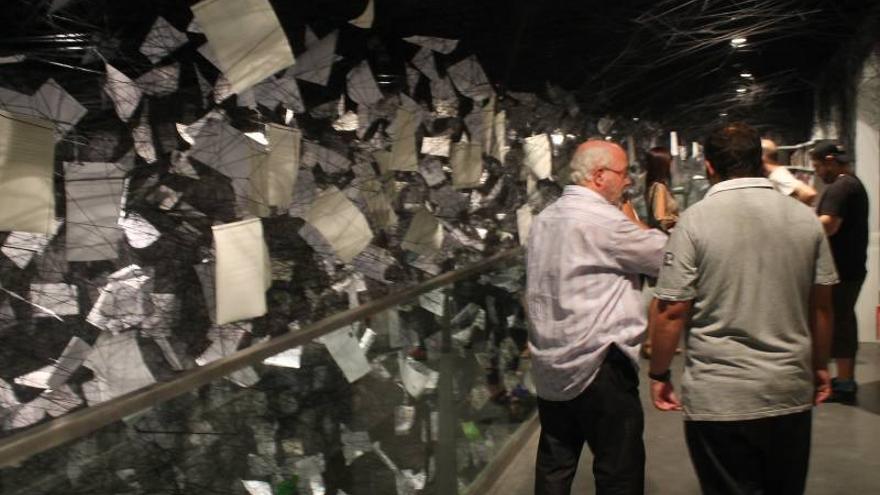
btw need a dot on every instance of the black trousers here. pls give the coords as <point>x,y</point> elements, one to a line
<point>845,340</point>
<point>608,417</point>
<point>761,456</point>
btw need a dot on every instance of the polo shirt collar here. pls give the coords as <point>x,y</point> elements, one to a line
<point>584,192</point>
<point>741,183</point>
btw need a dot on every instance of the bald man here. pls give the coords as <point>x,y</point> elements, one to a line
<point>583,296</point>
<point>783,181</point>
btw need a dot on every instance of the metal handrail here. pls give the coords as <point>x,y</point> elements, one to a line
<point>19,447</point>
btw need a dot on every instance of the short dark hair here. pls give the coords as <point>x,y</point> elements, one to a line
<point>734,151</point>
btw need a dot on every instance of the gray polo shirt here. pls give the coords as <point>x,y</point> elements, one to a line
<point>748,257</point>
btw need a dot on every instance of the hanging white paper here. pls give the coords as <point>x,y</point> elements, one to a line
<point>425,234</point>
<point>118,365</point>
<point>441,45</point>
<point>316,63</point>
<point>123,302</point>
<point>274,174</point>
<point>59,298</point>
<point>538,157</point>
<point>470,80</point>
<point>161,81</point>
<point>243,270</point>
<point>365,20</point>
<point>345,350</point>
<point>467,164</point>
<point>21,247</point>
<point>361,85</point>
<point>126,95</point>
<point>340,223</point>
<point>27,155</point>
<point>94,191</point>
<point>246,38</point>
<point>162,39</point>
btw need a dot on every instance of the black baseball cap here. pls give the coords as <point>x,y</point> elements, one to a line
<point>828,148</point>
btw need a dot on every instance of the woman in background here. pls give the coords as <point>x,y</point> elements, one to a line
<point>661,205</point>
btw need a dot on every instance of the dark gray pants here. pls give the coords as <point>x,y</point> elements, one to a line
<point>767,456</point>
<point>608,417</point>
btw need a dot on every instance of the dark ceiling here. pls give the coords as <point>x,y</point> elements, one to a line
<point>661,60</point>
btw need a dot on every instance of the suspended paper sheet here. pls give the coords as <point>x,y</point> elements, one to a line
<point>403,147</point>
<point>437,146</point>
<point>432,171</point>
<point>205,272</point>
<point>123,302</point>
<point>291,358</point>
<point>143,139</point>
<point>57,401</point>
<point>365,20</point>
<point>162,39</point>
<point>467,165</point>
<point>538,157</point>
<point>354,444</point>
<point>487,112</point>
<point>424,62</point>
<point>441,45</point>
<point>378,203</point>
<point>27,156</point>
<point>425,234</point>
<point>523,223</point>
<point>118,365</point>
<point>274,91</point>
<point>361,85</point>
<point>415,376</point>
<point>470,80</point>
<point>433,301</point>
<point>17,103</point>
<point>316,63</point>
<point>94,192</point>
<point>246,39</point>
<point>341,224</point>
<point>161,81</point>
<point>346,351</point>
<point>204,86</point>
<point>225,340</point>
<point>56,105</point>
<point>12,59</point>
<point>243,271</point>
<point>274,174</point>
<point>160,322</point>
<point>138,231</point>
<point>330,161</point>
<point>373,262</point>
<point>54,299</point>
<point>20,247</point>
<point>55,375</point>
<point>126,95</point>
<point>257,487</point>
<point>347,122</point>
<point>412,78</point>
<point>499,143</point>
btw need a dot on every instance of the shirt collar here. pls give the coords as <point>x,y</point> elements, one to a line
<point>741,183</point>
<point>585,193</point>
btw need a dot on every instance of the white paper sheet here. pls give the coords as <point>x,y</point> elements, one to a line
<point>437,146</point>
<point>467,165</point>
<point>416,378</point>
<point>59,401</point>
<point>55,375</point>
<point>21,247</point>
<point>538,157</point>
<point>257,487</point>
<point>470,80</point>
<point>274,174</point>
<point>523,223</point>
<point>354,444</point>
<point>378,201</point>
<point>373,262</point>
<point>27,155</point>
<point>365,20</point>
<point>291,358</point>
<point>441,45</point>
<point>361,85</point>
<point>304,193</point>
<point>118,365</point>
<point>59,298</point>
<point>499,147</point>
<point>161,81</point>
<point>225,340</point>
<point>243,270</point>
<point>284,90</point>
<point>433,301</point>
<point>126,95</point>
<point>316,63</point>
<point>425,234</point>
<point>138,231</point>
<point>340,223</point>
<point>246,38</point>
<point>56,105</point>
<point>330,161</point>
<point>423,60</point>
<point>94,191</point>
<point>161,321</point>
<point>143,140</point>
<point>346,351</point>
<point>123,302</point>
<point>162,39</point>
<point>403,146</point>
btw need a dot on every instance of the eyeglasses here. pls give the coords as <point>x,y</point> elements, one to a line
<point>622,173</point>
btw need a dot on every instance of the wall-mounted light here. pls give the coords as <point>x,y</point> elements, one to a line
<point>738,42</point>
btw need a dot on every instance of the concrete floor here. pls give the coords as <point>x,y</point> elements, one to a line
<point>845,453</point>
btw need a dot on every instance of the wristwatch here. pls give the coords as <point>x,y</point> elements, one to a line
<point>666,376</point>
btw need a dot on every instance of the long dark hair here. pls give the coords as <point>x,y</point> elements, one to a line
<point>658,167</point>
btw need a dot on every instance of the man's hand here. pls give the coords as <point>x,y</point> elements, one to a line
<point>823,385</point>
<point>663,396</point>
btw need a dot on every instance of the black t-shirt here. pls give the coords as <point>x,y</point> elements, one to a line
<point>847,199</point>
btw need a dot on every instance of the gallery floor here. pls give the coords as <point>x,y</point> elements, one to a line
<point>845,454</point>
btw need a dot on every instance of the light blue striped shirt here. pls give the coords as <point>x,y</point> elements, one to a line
<point>583,291</point>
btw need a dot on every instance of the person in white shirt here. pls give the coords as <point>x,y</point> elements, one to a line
<point>782,179</point>
<point>585,257</point>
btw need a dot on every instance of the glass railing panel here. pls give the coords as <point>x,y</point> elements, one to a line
<point>417,398</point>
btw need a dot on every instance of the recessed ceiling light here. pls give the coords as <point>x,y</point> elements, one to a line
<point>738,42</point>
<point>745,75</point>
<point>741,90</point>
<point>635,119</point>
<point>722,114</point>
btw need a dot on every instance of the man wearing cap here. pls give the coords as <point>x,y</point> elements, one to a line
<point>783,180</point>
<point>584,260</point>
<point>843,211</point>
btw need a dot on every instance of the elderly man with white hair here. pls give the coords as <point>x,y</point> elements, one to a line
<point>585,257</point>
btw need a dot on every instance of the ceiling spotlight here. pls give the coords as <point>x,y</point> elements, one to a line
<point>635,119</point>
<point>738,42</point>
<point>722,114</point>
<point>745,75</point>
<point>741,90</point>
<point>557,137</point>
